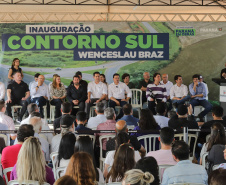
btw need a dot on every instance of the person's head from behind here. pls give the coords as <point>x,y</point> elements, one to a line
<point>123,161</point>
<point>217,135</point>
<point>180,151</point>
<point>66,108</point>
<point>182,111</point>
<point>25,131</point>
<point>36,76</point>
<point>178,79</point>
<point>121,138</point>
<point>100,108</point>
<point>127,109</point>
<point>66,124</point>
<point>31,161</point>
<point>161,108</point>
<point>35,114</point>
<point>138,177</point>
<point>149,164</point>
<point>37,124</point>
<point>65,180</point>
<point>67,146</point>
<point>109,113</point>
<point>217,112</point>
<point>125,78</point>
<point>217,177</point>
<point>171,113</point>
<point>147,120</point>
<point>81,118</point>
<point>84,144</point>
<point>81,169</point>
<point>166,136</point>
<point>2,106</point>
<point>32,107</point>
<point>121,126</point>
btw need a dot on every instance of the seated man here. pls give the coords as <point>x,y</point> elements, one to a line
<point>40,93</point>
<point>81,121</point>
<point>168,84</point>
<point>100,118</point>
<point>116,94</point>
<point>164,155</point>
<point>125,79</point>
<point>143,86</point>
<point>76,95</point>
<point>128,115</point>
<point>198,96</point>
<point>156,92</point>
<point>161,118</point>
<point>184,171</point>
<point>179,92</point>
<point>97,92</point>
<point>17,94</point>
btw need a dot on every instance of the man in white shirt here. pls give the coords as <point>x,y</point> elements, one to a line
<point>40,93</point>
<point>100,118</point>
<point>164,155</point>
<point>179,92</point>
<point>116,94</point>
<point>168,84</point>
<point>35,80</point>
<point>97,92</point>
<point>2,91</point>
<point>37,124</point>
<point>160,117</point>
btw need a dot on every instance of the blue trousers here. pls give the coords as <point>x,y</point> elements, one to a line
<point>204,103</point>
<point>40,101</point>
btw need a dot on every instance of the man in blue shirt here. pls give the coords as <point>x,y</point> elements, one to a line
<point>184,171</point>
<point>198,96</point>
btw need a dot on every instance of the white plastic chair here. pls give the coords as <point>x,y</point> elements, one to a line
<point>53,157</point>
<point>207,137</point>
<point>181,136</point>
<point>92,111</point>
<point>215,167</point>
<point>101,138</point>
<point>59,171</point>
<point>114,183</point>
<point>29,182</point>
<point>45,111</point>
<point>15,107</point>
<point>204,159</point>
<point>162,169</point>
<point>93,138</point>
<point>52,112</point>
<point>5,171</point>
<point>149,141</point>
<point>136,100</point>
<point>198,109</point>
<point>5,137</point>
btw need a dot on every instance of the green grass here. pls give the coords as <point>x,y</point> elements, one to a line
<point>33,73</point>
<point>101,71</point>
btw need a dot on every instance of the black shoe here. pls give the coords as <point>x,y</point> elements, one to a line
<point>200,118</point>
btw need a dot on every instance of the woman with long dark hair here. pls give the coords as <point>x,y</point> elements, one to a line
<point>15,68</point>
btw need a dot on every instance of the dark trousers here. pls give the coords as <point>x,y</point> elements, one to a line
<point>113,104</point>
<point>204,103</point>
<point>81,108</point>
<point>152,105</point>
<point>23,103</point>
<point>92,101</point>
<point>40,101</point>
<point>57,103</point>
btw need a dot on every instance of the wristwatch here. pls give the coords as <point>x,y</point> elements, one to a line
<point>37,86</point>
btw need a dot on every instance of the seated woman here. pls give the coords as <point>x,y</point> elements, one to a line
<point>81,169</point>
<point>66,149</point>
<point>121,138</point>
<point>85,144</point>
<point>57,94</point>
<point>31,164</point>
<point>123,161</point>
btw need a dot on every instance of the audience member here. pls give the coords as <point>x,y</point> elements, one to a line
<point>122,127</point>
<point>40,93</point>
<point>31,164</point>
<point>85,144</point>
<point>128,115</point>
<point>137,177</point>
<point>6,120</point>
<point>81,169</point>
<point>81,81</point>
<point>35,80</point>
<point>116,94</point>
<point>143,85</point>
<point>160,117</point>
<point>121,138</point>
<point>76,94</point>
<point>57,95</point>
<point>198,96</point>
<point>125,79</point>
<point>66,149</point>
<point>168,85</point>
<point>103,79</point>
<point>10,153</point>
<point>123,161</point>
<point>171,114</point>
<point>17,94</point>
<point>97,92</point>
<point>179,92</point>
<point>217,177</point>
<point>2,91</point>
<point>147,122</point>
<point>81,121</point>
<point>156,92</point>
<point>36,122</point>
<point>65,180</point>
<point>66,125</point>
<point>164,155</point>
<point>15,68</point>
<point>93,122</point>
<point>149,164</point>
<point>184,169</point>
<point>66,109</point>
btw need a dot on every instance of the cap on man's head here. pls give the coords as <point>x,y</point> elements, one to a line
<point>182,110</point>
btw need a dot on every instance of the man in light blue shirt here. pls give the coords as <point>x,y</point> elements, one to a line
<point>184,171</point>
<point>198,96</point>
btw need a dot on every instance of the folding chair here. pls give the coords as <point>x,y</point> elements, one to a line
<point>149,141</point>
